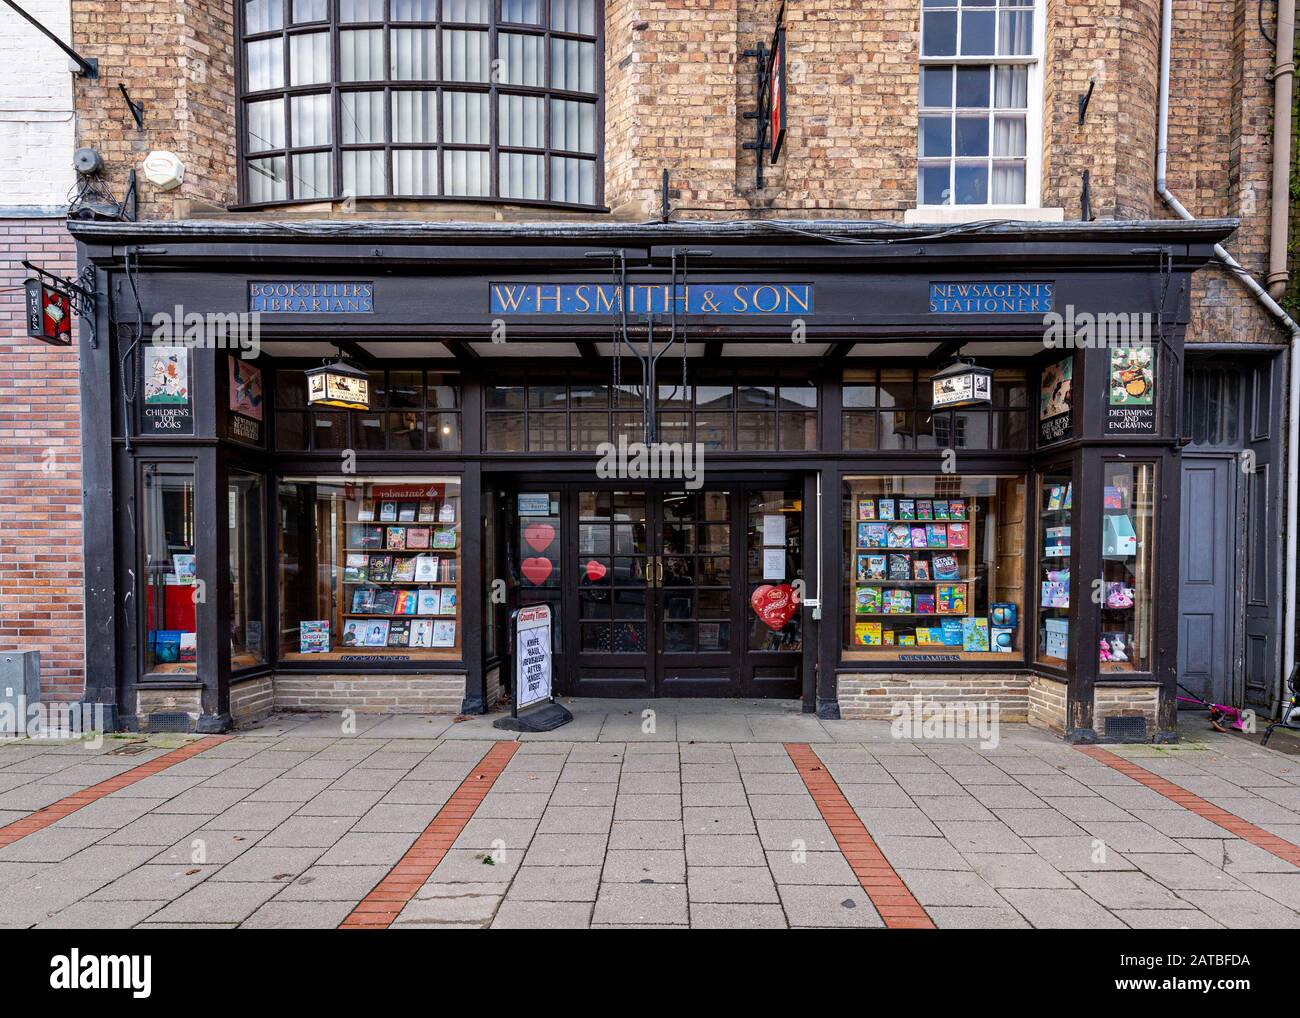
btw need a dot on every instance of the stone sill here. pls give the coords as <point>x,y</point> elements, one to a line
<point>948,215</point>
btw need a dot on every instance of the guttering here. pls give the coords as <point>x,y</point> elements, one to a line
<point>1283,78</point>
<point>1273,308</point>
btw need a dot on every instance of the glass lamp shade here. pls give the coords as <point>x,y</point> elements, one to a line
<point>339,384</point>
<point>961,384</point>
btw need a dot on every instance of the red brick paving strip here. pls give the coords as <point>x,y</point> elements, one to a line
<point>384,904</point>
<point>56,811</point>
<point>1230,822</point>
<point>895,903</point>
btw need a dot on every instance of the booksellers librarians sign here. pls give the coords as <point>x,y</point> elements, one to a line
<point>532,655</point>
<point>303,297</point>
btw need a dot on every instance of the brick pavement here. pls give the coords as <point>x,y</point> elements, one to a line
<point>705,822</point>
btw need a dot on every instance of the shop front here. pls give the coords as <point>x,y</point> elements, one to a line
<point>854,465</point>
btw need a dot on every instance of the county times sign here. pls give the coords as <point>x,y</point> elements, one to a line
<point>532,655</point>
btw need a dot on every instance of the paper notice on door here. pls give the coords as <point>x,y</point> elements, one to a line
<point>774,563</point>
<point>774,530</point>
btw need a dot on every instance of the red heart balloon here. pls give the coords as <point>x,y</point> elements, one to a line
<point>775,605</point>
<point>536,570</point>
<point>595,571</point>
<point>539,536</point>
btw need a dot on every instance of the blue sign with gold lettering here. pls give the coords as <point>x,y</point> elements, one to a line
<point>311,298</point>
<point>989,298</point>
<point>651,298</point>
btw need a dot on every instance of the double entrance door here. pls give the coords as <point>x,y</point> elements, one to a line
<point>655,582</point>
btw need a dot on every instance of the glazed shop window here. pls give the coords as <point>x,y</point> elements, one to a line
<point>1055,540</point>
<point>370,569</point>
<point>889,408</point>
<point>247,580</point>
<point>170,570</point>
<point>724,414</point>
<point>1127,547</point>
<point>979,96</point>
<point>934,566</point>
<point>421,98</point>
<point>410,411</point>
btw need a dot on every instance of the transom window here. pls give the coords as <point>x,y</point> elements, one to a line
<point>889,408</point>
<point>421,98</point>
<point>978,103</point>
<point>721,414</point>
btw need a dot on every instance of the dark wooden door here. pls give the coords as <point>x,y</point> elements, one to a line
<point>1207,576</point>
<point>657,589</point>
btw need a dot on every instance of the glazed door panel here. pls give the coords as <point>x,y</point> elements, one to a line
<point>610,575</point>
<point>696,558</point>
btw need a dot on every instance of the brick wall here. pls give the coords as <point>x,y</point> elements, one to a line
<point>1124,702</point>
<point>1047,703</point>
<point>370,694</point>
<point>36,115</point>
<point>251,700</point>
<point>40,471</point>
<point>872,697</point>
<point>1220,155</point>
<point>676,91</point>
<point>177,57</point>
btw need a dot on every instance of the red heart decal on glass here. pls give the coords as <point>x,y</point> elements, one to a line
<point>539,536</point>
<point>595,571</point>
<point>774,605</point>
<point>536,570</point>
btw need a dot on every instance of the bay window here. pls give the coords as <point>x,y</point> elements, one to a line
<point>421,98</point>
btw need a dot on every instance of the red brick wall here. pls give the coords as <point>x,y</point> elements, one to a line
<point>40,471</point>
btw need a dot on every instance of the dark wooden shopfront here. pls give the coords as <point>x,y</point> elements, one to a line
<point>651,577</point>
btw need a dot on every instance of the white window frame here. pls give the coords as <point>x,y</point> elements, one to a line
<point>1033,111</point>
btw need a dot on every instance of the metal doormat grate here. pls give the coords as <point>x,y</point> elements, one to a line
<point>1126,729</point>
<point>174,721</point>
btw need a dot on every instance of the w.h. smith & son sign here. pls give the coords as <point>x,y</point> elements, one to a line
<point>651,298</point>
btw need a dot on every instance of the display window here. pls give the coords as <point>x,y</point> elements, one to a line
<point>1127,547</point>
<point>370,569</point>
<point>1055,539</point>
<point>246,526</point>
<point>934,565</point>
<point>170,569</point>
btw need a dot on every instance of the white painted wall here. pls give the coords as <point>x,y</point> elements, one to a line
<point>36,113</point>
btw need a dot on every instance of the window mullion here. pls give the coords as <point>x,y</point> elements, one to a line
<point>494,102</point>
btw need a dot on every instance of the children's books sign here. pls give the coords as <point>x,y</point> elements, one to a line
<point>167,405</point>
